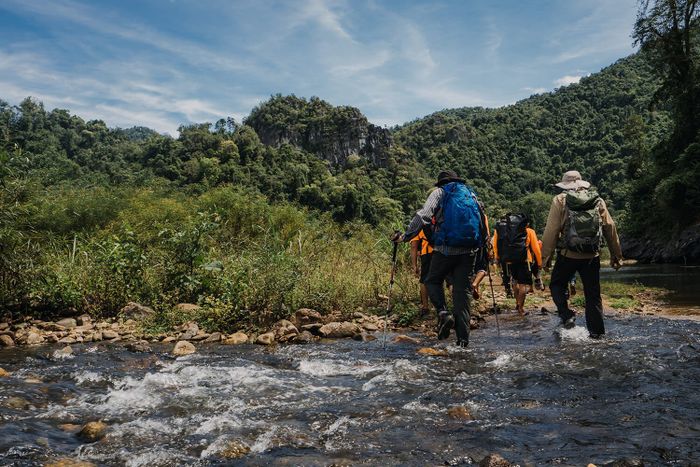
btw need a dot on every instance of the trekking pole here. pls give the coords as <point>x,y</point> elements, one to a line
<point>391,285</point>
<point>493,297</point>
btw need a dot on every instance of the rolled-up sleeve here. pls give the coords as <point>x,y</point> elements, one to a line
<point>424,215</point>
<point>552,230</point>
<point>610,231</point>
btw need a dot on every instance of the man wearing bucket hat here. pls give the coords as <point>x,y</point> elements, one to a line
<point>578,219</point>
<point>459,231</point>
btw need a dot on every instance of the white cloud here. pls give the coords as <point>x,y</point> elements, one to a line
<point>567,80</point>
<point>320,12</point>
<point>534,90</point>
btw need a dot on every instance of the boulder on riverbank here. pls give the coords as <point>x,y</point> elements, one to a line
<point>337,329</point>
<point>136,311</point>
<point>236,338</point>
<point>183,348</point>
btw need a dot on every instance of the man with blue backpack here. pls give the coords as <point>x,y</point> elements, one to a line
<point>458,225</point>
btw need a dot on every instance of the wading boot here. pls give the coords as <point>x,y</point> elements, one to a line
<point>569,323</point>
<point>445,323</point>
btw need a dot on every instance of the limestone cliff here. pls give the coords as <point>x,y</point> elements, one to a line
<point>333,133</point>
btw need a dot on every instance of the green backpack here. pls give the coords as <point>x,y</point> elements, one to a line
<point>583,228</point>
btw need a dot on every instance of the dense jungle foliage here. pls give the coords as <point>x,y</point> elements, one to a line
<point>92,217</point>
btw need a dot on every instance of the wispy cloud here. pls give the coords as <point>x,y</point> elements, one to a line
<point>567,80</point>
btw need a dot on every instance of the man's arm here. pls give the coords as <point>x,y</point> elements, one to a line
<point>610,234</point>
<point>424,215</point>
<point>551,231</point>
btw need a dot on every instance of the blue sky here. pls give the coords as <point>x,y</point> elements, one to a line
<point>164,63</point>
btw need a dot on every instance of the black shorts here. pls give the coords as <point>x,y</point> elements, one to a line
<point>425,266</point>
<point>521,272</point>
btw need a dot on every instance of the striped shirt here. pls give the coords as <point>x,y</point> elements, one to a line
<point>424,216</point>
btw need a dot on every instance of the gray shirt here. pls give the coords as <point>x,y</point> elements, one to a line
<point>424,216</point>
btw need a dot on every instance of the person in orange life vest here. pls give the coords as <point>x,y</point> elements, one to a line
<point>421,248</point>
<point>520,269</point>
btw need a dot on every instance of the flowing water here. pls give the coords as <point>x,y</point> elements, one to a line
<point>538,395</point>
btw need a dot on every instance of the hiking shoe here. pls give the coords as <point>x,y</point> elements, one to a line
<point>572,289</point>
<point>445,323</point>
<point>569,323</point>
<point>509,293</point>
<point>463,343</point>
<point>595,336</point>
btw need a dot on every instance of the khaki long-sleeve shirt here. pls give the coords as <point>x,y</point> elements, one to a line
<point>555,227</point>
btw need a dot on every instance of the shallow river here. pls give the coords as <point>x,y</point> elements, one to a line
<point>537,395</point>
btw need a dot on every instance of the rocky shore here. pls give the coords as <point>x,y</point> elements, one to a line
<point>128,329</point>
<point>682,249</point>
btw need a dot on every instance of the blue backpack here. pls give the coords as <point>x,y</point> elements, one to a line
<point>458,223</point>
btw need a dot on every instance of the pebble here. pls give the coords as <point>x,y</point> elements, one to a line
<point>65,462</point>
<point>4,373</point>
<point>19,403</point>
<point>403,339</point>
<point>432,352</point>
<point>460,412</point>
<point>235,450</point>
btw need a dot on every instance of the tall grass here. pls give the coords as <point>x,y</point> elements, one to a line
<point>244,261</point>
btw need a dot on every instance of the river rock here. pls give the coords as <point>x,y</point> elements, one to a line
<point>237,338</point>
<point>284,330</point>
<point>109,334</point>
<point>234,450</point>
<point>213,337</point>
<point>66,462</point>
<point>17,403</point>
<point>67,340</point>
<point>93,431</point>
<point>136,311</point>
<point>68,323</point>
<point>169,339</point>
<point>6,341</point>
<point>183,348</point>
<point>4,373</point>
<point>190,329</point>
<point>337,329</point>
<point>369,326</point>
<point>201,335</point>
<point>34,338</point>
<point>460,412</point>
<point>266,339</point>
<point>138,346</point>
<point>494,460</point>
<point>429,351</point>
<point>305,337</point>
<point>313,328</point>
<point>63,353</point>
<point>84,320</point>
<point>69,427</point>
<point>307,316</point>
<point>404,339</point>
<point>4,326</point>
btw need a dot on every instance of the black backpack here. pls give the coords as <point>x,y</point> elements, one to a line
<point>512,238</point>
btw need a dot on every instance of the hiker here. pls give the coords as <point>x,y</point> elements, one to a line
<point>578,220</point>
<point>421,248</point>
<point>458,228</point>
<point>519,248</point>
<point>506,277</point>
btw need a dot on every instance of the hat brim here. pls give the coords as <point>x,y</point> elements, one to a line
<point>450,180</point>
<point>575,185</point>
